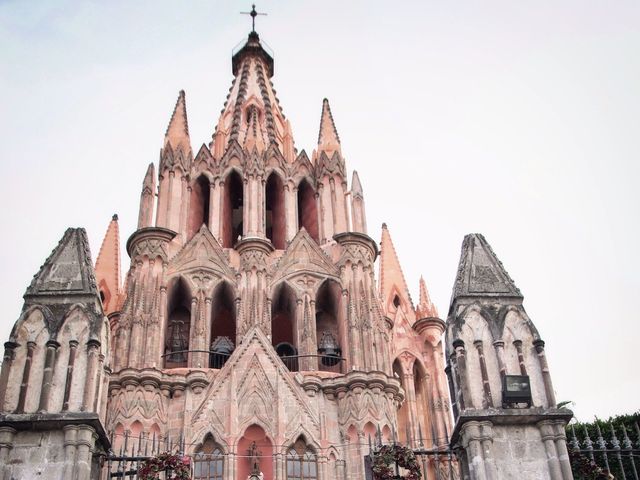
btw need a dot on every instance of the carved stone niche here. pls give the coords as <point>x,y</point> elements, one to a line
<point>150,241</point>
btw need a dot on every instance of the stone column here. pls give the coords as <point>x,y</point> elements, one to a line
<point>7,362</point>
<point>498,345</point>
<point>321,215</point>
<point>70,438</point>
<point>518,345</point>
<point>441,406</point>
<point>24,385</point>
<point>486,440</point>
<point>470,433</point>
<point>47,376</point>
<point>488,401</point>
<point>161,326</point>
<point>73,346</point>
<point>409,386</point>
<point>246,209</point>
<point>7,435</point>
<point>93,350</point>
<point>461,370</point>
<point>203,358</point>
<point>563,453</point>
<point>172,175</point>
<point>84,445</point>
<point>193,341</point>
<point>291,213</point>
<point>99,385</point>
<point>548,438</point>
<point>213,218</point>
<point>221,226</point>
<point>334,208</point>
<point>546,376</point>
<point>185,197</point>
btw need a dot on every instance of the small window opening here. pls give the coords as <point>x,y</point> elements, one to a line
<point>307,210</point>
<point>274,211</point>
<point>233,210</point>
<point>396,301</point>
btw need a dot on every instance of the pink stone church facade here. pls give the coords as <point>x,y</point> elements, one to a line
<point>250,312</point>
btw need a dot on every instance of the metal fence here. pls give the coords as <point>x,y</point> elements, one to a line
<point>612,450</point>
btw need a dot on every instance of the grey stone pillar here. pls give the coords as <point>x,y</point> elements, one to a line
<point>546,376</point>
<point>73,347</point>
<point>486,386</point>
<point>24,385</point>
<point>70,439</point>
<point>499,347</point>
<point>461,371</point>
<point>518,345</point>
<point>548,438</point>
<point>93,348</point>
<point>7,362</point>
<point>471,437</point>
<point>85,441</point>
<point>7,435</point>
<point>486,439</point>
<point>47,376</point>
<point>563,453</point>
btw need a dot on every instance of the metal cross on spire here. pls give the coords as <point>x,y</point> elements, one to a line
<point>253,14</point>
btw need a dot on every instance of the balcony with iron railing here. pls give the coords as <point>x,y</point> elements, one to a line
<point>294,363</point>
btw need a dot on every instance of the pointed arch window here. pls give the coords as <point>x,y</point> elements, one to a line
<point>328,331</point>
<point>233,213</point>
<point>223,326</point>
<point>283,326</point>
<point>208,461</point>
<point>178,326</point>
<point>199,205</point>
<point>274,211</point>
<point>307,210</point>
<point>302,462</point>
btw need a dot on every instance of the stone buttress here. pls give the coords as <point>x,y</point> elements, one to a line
<point>490,337</point>
<point>55,372</point>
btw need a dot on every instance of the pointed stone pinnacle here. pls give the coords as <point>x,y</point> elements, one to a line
<point>177,133</point>
<point>328,139</point>
<point>480,273</point>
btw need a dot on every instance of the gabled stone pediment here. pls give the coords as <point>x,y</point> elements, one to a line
<point>302,165</point>
<point>330,165</point>
<point>233,150</point>
<point>254,386</point>
<point>303,255</point>
<point>203,159</point>
<point>203,252</point>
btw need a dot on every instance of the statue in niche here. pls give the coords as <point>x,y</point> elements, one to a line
<point>254,462</point>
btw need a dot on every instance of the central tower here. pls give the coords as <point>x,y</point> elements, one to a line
<point>250,312</point>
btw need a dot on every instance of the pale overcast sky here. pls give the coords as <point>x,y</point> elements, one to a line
<point>518,120</point>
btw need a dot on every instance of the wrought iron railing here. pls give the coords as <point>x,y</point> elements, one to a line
<point>325,363</point>
<point>294,363</point>
<point>617,456</point>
